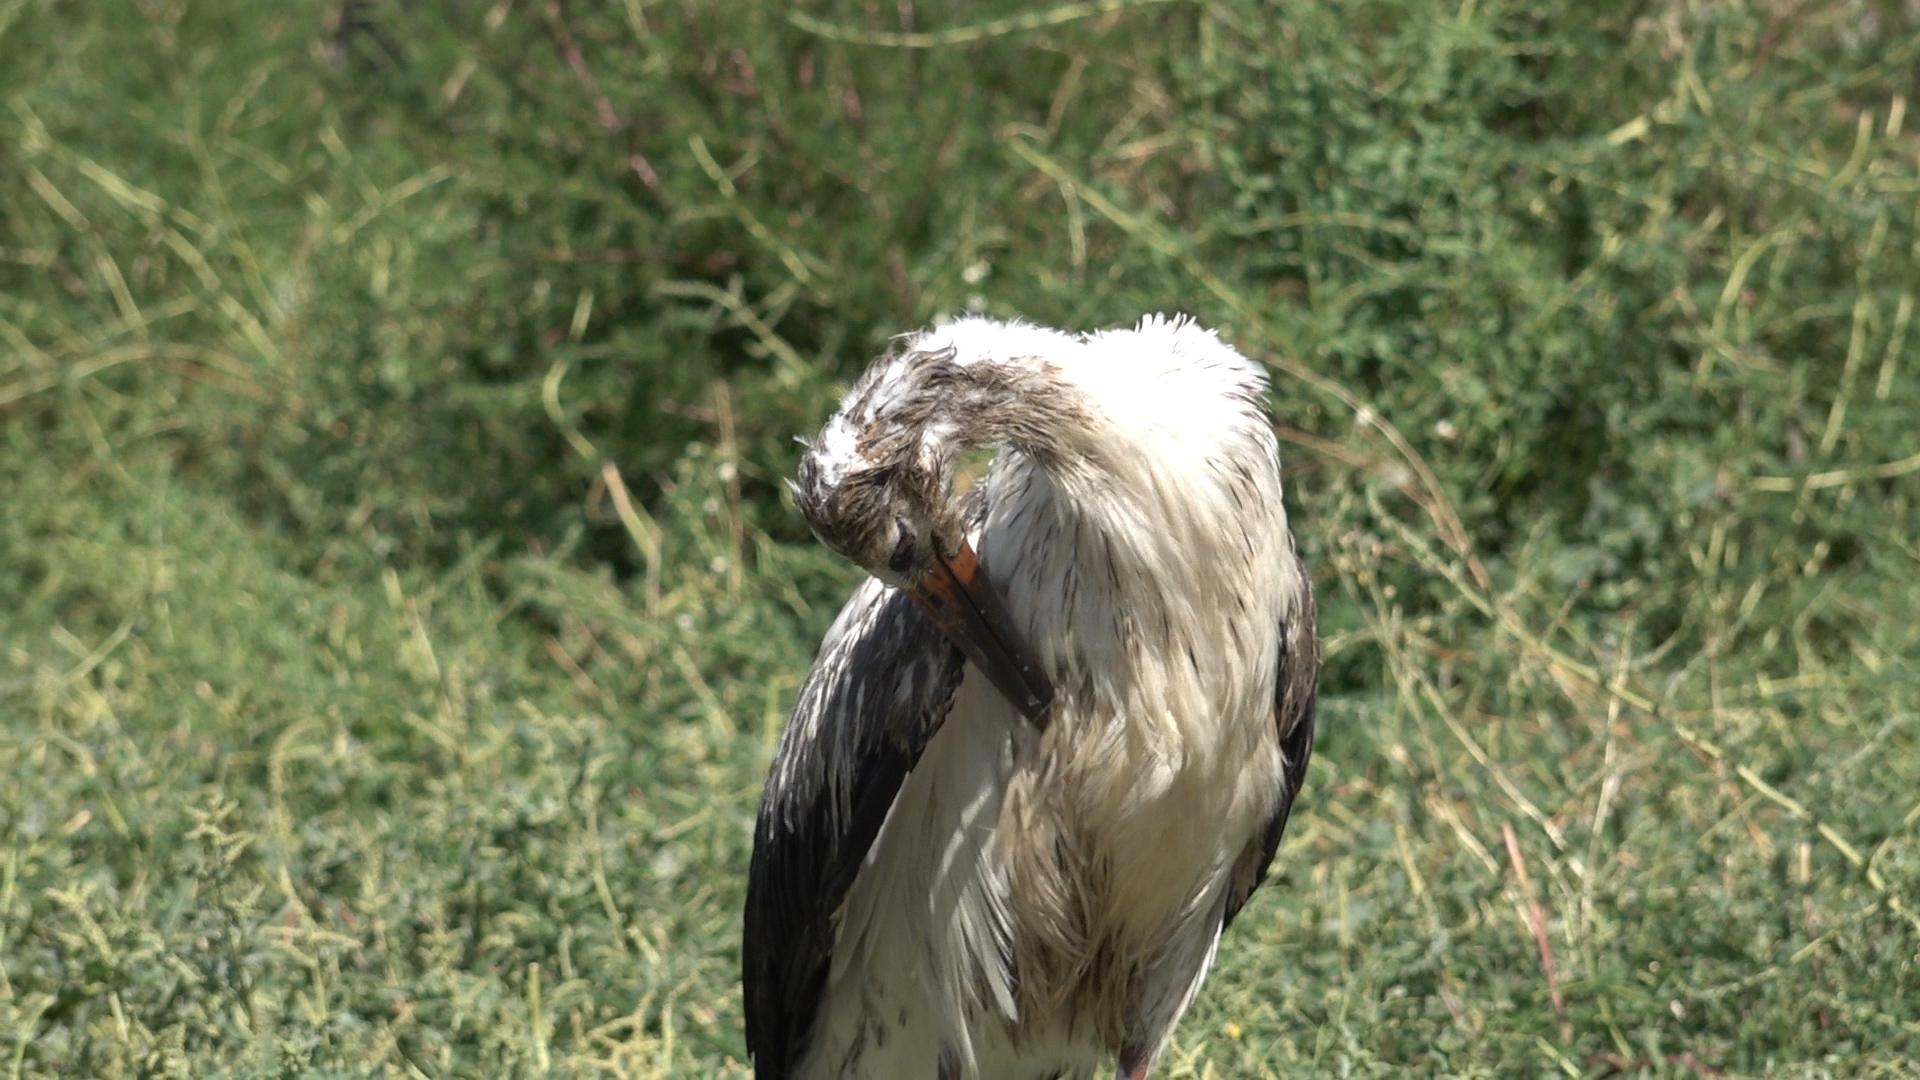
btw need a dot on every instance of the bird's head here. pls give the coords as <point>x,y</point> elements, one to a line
<point>876,485</point>
<point>874,501</point>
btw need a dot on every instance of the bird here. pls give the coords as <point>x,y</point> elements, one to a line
<point>1048,748</point>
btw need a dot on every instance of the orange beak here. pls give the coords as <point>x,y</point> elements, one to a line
<point>956,595</point>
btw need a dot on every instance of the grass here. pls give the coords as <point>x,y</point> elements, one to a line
<point>402,602</point>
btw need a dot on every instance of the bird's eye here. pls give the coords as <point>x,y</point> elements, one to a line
<point>902,558</point>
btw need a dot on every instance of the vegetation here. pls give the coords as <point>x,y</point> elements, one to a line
<point>402,599</point>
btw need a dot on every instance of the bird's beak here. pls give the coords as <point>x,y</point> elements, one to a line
<point>957,596</point>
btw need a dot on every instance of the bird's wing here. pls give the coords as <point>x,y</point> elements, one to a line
<point>1295,692</point>
<point>880,688</point>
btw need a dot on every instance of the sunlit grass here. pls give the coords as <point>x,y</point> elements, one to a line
<point>403,604</point>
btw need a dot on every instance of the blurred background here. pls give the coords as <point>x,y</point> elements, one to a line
<point>402,601</point>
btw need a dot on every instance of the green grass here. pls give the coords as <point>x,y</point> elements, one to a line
<point>401,600</point>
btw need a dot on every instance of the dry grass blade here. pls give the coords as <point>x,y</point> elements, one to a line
<point>1536,918</point>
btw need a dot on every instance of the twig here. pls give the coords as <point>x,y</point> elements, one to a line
<point>1797,810</point>
<point>966,35</point>
<point>582,681</point>
<point>741,310</point>
<point>1902,312</point>
<point>1537,918</point>
<point>1837,477</point>
<point>795,263</point>
<point>644,532</point>
<point>1620,1063</point>
<point>1857,338</point>
<point>610,120</point>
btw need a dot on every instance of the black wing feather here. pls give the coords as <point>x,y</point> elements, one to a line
<point>1294,697</point>
<point>880,688</point>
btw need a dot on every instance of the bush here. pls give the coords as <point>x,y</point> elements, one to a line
<point>396,398</point>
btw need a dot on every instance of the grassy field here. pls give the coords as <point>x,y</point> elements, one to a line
<point>401,602</point>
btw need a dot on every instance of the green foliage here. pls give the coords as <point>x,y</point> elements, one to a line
<point>403,602</point>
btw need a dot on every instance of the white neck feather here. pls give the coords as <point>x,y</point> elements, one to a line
<point>1150,530</point>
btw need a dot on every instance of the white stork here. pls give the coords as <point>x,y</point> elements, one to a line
<point>1024,790</point>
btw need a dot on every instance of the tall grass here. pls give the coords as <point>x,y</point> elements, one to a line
<point>402,602</point>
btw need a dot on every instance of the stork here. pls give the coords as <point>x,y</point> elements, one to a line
<point>1048,749</point>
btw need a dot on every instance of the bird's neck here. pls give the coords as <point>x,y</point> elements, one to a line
<point>1135,510</point>
<point>1150,562</point>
